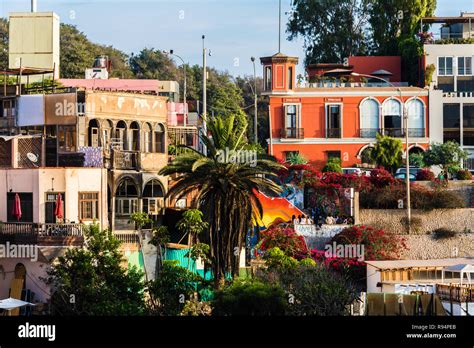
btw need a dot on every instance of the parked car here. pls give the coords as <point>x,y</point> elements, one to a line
<point>413,170</point>
<point>356,171</point>
<point>402,176</point>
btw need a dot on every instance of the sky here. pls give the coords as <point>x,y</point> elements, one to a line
<point>235,30</point>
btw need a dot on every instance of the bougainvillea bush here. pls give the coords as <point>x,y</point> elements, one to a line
<point>425,175</point>
<point>284,238</point>
<point>378,245</point>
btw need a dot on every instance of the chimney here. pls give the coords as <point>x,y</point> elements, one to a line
<point>33,5</point>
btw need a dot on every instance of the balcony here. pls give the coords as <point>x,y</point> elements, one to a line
<point>292,133</point>
<point>455,292</point>
<point>333,132</point>
<point>125,159</point>
<point>369,132</point>
<point>41,233</point>
<point>400,132</point>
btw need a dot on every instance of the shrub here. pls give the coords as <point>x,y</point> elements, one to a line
<point>464,174</point>
<point>250,297</point>
<point>378,245</point>
<point>284,238</point>
<point>443,233</point>
<point>425,175</point>
<point>421,198</point>
<point>167,290</point>
<point>333,165</point>
<point>380,178</point>
<point>276,258</point>
<point>313,290</point>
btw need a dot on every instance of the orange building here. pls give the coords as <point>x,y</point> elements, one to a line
<point>334,118</point>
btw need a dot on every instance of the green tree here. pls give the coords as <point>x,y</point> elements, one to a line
<point>3,43</point>
<point>332,30</point>
<point>140,219</point>
<point>172,286</point>
<point>393,28</point>
<point>250,297</point>
<point>333,165</point>
<point>226,192</point>
<point>246,85</point>
<point>387,152</point>
<point>94,278</point>
<point>153,64</point>
<point>192,225</point>
<point>159,239</point>
<point>446,155</point>
<point>77,53</point>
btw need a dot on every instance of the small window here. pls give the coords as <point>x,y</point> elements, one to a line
<point>88,205</point>
<point>289,154</point>
<point>268,78</point>
<point>290,78</point>
<point>464,65</point>
<point>333,154</point>
<point>445,66</point>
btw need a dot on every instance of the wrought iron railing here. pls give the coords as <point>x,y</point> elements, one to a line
<point>39,233</point>
<point>292,133</point>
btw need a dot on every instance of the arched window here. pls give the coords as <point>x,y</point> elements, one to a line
<point>416,118</point>
<point>134,136</point>
<point>94,134</point>
<point>160,139</point>
<point>121,134</point>
<point>147,138</point>
<point>392,117</point>
<point>153,199</point>
<point>369,118</point>
<point>126,197</point>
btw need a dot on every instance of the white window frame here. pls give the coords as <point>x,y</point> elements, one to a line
<point>380,111</point>
<point>453,66</point>
<point>119,208</point>
<point>464,59</point>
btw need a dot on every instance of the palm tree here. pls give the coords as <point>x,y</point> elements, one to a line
<point>226,190</point>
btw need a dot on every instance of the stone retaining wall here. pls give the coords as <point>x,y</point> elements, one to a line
<point>390,220</point>
<point>426,247</point>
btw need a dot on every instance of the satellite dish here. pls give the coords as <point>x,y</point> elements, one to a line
<point>32,157</point>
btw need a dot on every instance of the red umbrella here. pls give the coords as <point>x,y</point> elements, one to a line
<point>58,212</point>
<point>16,212</point>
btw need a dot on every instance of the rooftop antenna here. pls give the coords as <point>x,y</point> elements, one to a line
<point>279,26</point>
<point>33,5</point>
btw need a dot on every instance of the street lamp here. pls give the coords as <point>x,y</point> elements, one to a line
<point>407,160</point>
<point>255,101</point>
<point>171,53</point>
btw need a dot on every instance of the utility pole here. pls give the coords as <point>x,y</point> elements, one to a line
<point>279,26</point>
<point>185,111</point>
<point>407,162</point>
<point>255,131</point>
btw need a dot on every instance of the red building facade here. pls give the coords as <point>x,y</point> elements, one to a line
<point>338,119</point>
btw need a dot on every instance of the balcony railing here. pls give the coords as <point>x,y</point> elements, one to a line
<point>41,233</point>
<point>125,159</point>
<point>369,132</point>
<point>455,292</point>
<point>400,132</point>
<point>333,132</point>
<point>292,133</point>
